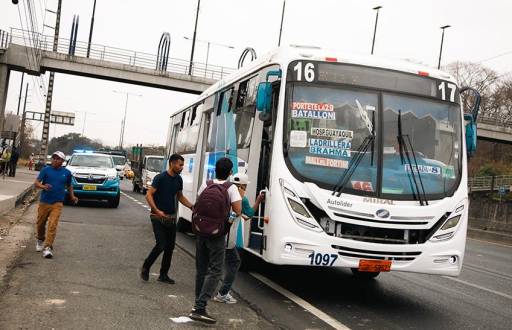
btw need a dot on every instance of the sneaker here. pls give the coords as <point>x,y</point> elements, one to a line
<point>166,279</point>
<point>144,274</point>
<point>200,315</point>
<point>39,245</point>
<point>227,298</point>
<point>47,252</point>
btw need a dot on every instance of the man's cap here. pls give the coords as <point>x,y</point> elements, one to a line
<point>59,154</point>
<point>240,178</point>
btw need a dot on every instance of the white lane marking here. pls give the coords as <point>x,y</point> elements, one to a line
<point>301,302</point>
<point>479,287</point>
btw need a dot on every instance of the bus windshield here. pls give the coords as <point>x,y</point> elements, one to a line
<point>327,124</point>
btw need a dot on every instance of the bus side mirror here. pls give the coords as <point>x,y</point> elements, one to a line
<point>470,116</point>
<point>264,97</point>
<point>470,135</point>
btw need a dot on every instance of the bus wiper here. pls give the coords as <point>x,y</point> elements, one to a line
<point>404,150</point>
<point>361,151</point>
<point>354,163</point>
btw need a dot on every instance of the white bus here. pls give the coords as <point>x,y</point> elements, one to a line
<point>363,160</point>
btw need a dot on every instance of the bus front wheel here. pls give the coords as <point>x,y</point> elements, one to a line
<point>364,275</point>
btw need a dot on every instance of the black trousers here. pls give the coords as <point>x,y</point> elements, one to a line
<point>165,237</point>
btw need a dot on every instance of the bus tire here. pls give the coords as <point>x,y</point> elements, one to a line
<point>144,191</point>
<point>247,260</point>
<point>135,187</point>
<point>364,275</point>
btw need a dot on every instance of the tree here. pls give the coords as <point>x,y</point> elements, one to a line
<point>483,79</point>
<point>72,141</point>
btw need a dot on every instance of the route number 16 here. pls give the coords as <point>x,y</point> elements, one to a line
<point>308,71</point>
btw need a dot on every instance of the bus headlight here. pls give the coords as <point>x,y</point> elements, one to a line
<point>447,230</point>
<point>450,223</point>
<point>297,209</point>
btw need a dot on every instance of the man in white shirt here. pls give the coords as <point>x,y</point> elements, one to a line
<point>210,250</point>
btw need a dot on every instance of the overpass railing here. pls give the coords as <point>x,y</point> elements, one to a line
<point>116,55</point>
<point>4,39</point>
<point>489,183</point>
<point>496,121</point>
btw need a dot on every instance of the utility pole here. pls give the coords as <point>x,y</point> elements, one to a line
<point>90,31</point>
<point>194,39</point>
<point>21,90</point>
<point>375,28</point>
<point>49,95</point>
<point>441,49</point>
<point>282,19</point>
<point>23,120</point>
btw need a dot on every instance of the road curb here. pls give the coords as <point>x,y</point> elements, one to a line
<point>490,236</point>
<point>15,243</point>
<point>10,203</point>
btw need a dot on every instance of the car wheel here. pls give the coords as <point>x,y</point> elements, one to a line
<point>114,203</point>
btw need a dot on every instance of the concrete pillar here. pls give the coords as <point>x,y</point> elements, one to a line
<point>4,87</point>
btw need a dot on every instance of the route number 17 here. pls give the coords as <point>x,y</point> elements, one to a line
<point>321,259</point>
<point>442,87</point>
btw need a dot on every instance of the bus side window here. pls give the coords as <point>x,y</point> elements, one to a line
<point>245,110</point>
<point>181,139</point>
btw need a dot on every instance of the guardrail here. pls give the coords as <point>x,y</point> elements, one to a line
<point>116,55</point>
<point>489,183</point>
<point>496,121</point>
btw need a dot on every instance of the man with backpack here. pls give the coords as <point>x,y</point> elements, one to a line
<point>210,223</point>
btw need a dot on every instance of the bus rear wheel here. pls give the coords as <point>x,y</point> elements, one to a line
<point>364,275</point>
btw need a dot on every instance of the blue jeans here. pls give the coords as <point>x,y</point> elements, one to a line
<point>231,266</point>
<point>209,262</point>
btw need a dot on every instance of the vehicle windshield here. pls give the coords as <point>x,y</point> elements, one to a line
<point>154,164</point>
<point>91,161</point>
<point>119,160</point>
<point>326,126</point>
<point>434,130</point>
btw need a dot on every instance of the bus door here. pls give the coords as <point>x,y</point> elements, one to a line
<point>257,239</point>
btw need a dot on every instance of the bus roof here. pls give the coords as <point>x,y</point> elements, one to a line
<point>285,55</point>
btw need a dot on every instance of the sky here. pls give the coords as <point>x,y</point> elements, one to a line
<point>407,29</point>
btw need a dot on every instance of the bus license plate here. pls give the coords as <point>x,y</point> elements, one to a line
<point>374,265</point>
<point>89,187</point>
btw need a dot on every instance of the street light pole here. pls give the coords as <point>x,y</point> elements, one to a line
<point>375,28</point>
<point>281,28</point>
<point>194,39</point>
<point>90,31</point>
<point>123,123</point>
<point>209,43</point>
<point>441,48</point>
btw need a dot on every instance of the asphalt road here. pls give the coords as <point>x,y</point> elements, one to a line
<point>100,249</point>
<point>481,298</point>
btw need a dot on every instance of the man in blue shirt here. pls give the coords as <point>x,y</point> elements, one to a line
<point>53,180</point>
<point>162,197</point>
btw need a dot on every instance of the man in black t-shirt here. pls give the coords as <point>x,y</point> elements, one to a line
<point>163,196</point>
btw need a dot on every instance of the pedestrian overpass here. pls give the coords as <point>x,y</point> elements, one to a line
<point>33,53</point>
